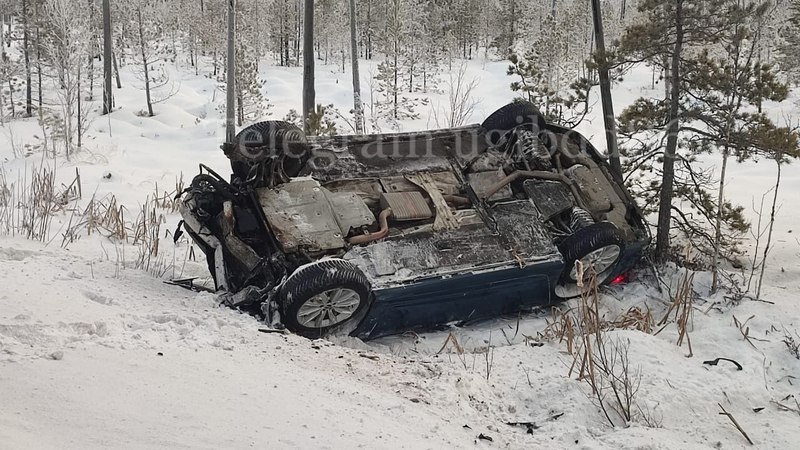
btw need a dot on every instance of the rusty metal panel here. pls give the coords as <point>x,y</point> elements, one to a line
<point>350,210</point>
<point>301,216</point>
<point>406,205</point>
<point>445,219</point>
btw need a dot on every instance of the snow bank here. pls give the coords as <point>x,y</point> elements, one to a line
<point>95,354</point>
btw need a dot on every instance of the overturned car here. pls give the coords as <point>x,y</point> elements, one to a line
<point>375,235</point>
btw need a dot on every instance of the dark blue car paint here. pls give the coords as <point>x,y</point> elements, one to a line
<point>468,296</point>
<point>424,304</point>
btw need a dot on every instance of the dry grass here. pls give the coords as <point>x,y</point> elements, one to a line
<point>29,204</point>
<point>603,364</point>
<point>792,342</point>
<point>167,200</point>
<point>680,310</point>
<point>452,342</point>
<point>146,230</point>
<point>635,319</point>
<point>100,216</point>
<point>561,329</point>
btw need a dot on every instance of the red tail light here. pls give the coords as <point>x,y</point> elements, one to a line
<point>620,279</point>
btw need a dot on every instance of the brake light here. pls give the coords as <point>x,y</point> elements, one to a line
<point>620,279</point>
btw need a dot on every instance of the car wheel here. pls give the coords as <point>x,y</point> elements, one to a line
<point>509,117</point>
<point>264,140</point>
<point>600,246</point>
<point>325,297</point>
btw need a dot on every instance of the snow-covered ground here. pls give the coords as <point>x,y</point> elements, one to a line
<point>97,354</point>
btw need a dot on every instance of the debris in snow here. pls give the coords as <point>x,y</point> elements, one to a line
<point>372,357</point>
<point>271,331</point>
<point>56,356</point>
<point>783,407</point>
<point>485,437</point>
<point>533,425</point>
<point>716,361</point>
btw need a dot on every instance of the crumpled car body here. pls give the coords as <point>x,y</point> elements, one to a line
<point>381,234</point>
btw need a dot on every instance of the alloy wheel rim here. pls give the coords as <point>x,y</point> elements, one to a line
<point>329,308</point>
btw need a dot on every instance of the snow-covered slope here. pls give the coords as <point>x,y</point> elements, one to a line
<point>96,354</point>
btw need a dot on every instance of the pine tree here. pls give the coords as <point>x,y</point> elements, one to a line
<point>728,85</point>
<point>251,106</point>
<point>715,82</point>
<point>669,33</point>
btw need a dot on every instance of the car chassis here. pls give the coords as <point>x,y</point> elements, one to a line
<point>380,234</point>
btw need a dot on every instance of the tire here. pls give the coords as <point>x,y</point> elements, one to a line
<point>312,286</point>
<point>266,140</point>
<point>601,244</point>
<point>509,117</point>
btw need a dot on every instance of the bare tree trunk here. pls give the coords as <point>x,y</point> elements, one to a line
<point>668,175</point>
<point>91,75</point>
<point>368,49</point>
<point>667,78</point>
<point>358,107</point>
<point>395,87</point>
<point>778,159</point>
<point>214,64</point>
<point>239,110</point>
<point>11,98</point>
<point>512,25</point>
<point>92,52</point>
<point>27,53</point>
<point>80,105</point>
<point>411,77</point>
<point>2,98</point>
<point>108,103</point>
<point>298,31</point>
<point>230,87</point>
<point>116,74</point>
<point>145,63</point>
<point>309,93</point>
<point>39,72</point>
<point>605,93</point>
<point>256,5</point>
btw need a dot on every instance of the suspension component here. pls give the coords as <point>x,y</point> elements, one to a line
<point>579,218</point>
<point>529,148</point>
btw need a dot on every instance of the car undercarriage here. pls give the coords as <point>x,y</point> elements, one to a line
<point>378,234</point>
